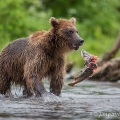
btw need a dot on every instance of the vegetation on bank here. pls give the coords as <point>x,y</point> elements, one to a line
<point>98,21</point>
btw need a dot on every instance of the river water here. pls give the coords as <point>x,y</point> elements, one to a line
<point>88,100</point>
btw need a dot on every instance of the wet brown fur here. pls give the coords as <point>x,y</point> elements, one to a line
<point>27,61</point>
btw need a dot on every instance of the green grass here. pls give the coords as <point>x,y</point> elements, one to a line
<point>3,43</point>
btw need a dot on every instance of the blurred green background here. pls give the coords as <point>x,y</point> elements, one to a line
<point>98,21</point>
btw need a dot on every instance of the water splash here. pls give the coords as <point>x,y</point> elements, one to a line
<point>50,97</point>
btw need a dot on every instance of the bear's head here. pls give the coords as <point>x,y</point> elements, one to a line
<point>66,33</point>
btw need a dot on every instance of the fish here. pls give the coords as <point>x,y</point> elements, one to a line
<point>90,66</point>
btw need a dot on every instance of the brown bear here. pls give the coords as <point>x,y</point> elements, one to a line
<point>26,61</point>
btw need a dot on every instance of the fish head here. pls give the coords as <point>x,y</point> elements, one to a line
<point>85,55</point>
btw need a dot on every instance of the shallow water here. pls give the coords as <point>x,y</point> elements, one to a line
<point>88,100</point>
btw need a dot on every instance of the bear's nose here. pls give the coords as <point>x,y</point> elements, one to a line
<point>81,41</point>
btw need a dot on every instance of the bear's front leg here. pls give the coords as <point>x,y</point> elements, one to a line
<point>57,76</point>
<point>56,84</point>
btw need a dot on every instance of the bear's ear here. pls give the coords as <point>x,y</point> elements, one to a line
<point>73,20</point>
<point>54,22</point>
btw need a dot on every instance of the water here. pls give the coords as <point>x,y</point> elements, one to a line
<point>86,101</point>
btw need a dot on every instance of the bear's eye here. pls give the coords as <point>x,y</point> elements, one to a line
<point>70,31</point>
<point>77,31</point>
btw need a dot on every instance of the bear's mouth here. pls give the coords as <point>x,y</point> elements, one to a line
<point>75,47</point>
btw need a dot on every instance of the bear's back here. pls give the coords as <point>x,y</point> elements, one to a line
<point>16,47</point>
<point>13,55</point>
